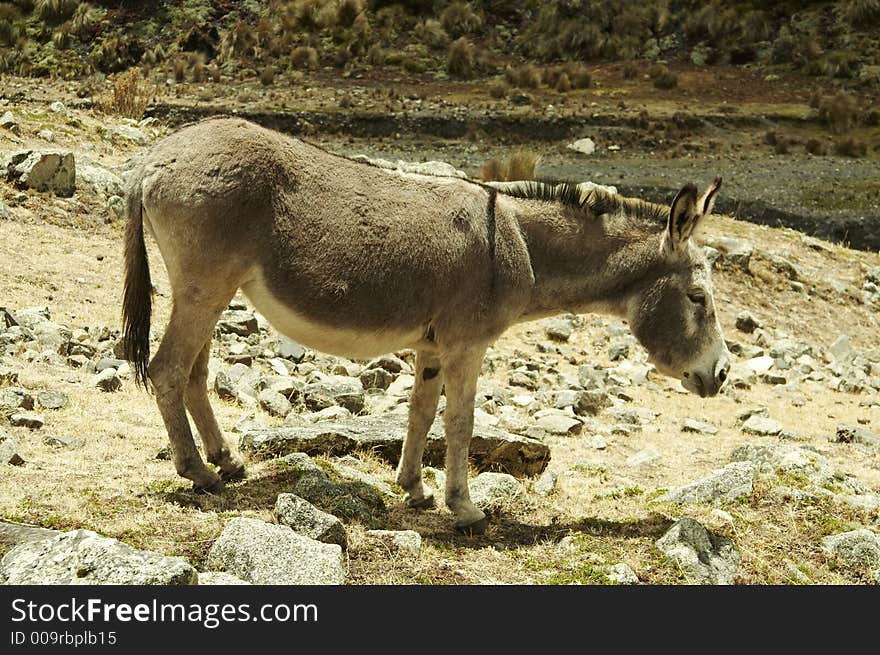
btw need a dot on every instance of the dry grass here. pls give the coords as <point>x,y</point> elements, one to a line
<point>461,61</point>
<point>130,95</point>
<point>520,165</point>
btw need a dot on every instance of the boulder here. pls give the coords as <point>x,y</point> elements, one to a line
<point>52,171</point>
<point>348,499</point>
<point>26,420</point>
<point>309,521</point>
<point>107,380</point>
<point>490,448</point>
<point>785,458</point>
<point>84,557</point>
<point>274,403</point>
<point>264,553</point>
<point>704,558</point>
<point>546,484</point>
<point>12,534</point>
<point>726,484</point>
<point>49,399</point>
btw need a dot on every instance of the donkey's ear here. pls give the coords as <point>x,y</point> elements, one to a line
<point>707,200</point>
<point>683,216</point>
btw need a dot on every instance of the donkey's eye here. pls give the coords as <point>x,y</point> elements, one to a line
<point>697,297</point>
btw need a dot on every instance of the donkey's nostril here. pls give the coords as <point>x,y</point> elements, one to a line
<point>722,375</point>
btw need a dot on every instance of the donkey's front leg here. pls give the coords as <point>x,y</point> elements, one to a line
<point>460,375</point>
<point>422,410</point>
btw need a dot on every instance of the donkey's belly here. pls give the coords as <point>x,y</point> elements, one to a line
<point>332,339</point>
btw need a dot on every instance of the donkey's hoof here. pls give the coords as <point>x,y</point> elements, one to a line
<point>426,502</point>
<point>214,488</point>
<point>476,528</point>
<point>231,476</point>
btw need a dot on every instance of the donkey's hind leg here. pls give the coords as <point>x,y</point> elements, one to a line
<point>422,409</point>
<point>190,327</point>
<point>196,398</point>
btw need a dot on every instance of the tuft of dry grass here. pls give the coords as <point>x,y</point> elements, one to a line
<point>850,147</point>
<point>267,76</point>
<point>816,147</point>
<point>839,112</point>
<point>520,165</point>
<point>431,33</point>
<point>524,77</point>
<point>459,19</point>
<point>662,77</point>
<point>304,57</point>
<point>461,61</point>
<point>130,95</point>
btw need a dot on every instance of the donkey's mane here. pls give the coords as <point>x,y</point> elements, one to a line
<point>595,201</point>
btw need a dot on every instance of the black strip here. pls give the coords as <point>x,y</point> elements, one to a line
<point>490,220</point>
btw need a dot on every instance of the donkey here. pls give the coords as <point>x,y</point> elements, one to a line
<point>358,261</point>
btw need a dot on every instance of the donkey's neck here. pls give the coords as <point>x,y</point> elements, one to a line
<point>583,263</point>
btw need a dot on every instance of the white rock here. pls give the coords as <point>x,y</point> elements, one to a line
<point>760,365</point>
<point>584,146</point>
<point>264,553</point>
<point>643,457</point>
<point>405,540</point>
<point>598,442</point>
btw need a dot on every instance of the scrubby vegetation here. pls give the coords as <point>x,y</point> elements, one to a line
<point>520,165</point>
<point>68,38</point>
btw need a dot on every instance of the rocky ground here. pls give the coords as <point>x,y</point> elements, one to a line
<point>593,467</point>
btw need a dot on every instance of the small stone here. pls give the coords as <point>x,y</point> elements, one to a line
<point>841,350</point>
<point>643,457</point>
<point>274,403</point>
<point>12,398</point>
<point>747,323</point>
<point>9,452</point>
<point>760,365</point>
<point>598,442</point>
<point>693,425</point>
<point>240,322</point>
<point>545,484</point>
<point>263,553</point>
<point>107,380</point>
<point>856,434</point>
<point>408,541</point>
<point>585,146</point>
<point>51,399</point>
<point>525,379</point>
<point>618,350</point>
<point>559,330</point>
<point>761,426</point>
<point>219,578</point>
<point>560,424</point>
<point>858,548</point>
<point>494,490</point>
<point>376,378</point>
<point>622,574</point>
<point>703,557</point>
<point>26,420</point>
<point>591,402</point>
<point>57,441</point>
<point>290,349</point>
<point>307,520</point>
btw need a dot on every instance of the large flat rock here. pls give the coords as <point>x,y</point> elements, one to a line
<point>83,557</point>
<point>490,449</point>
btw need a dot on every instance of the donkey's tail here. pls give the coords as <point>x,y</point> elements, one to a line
<point>137,299</point>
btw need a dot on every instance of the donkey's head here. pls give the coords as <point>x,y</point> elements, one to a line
<point>672,312</point>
